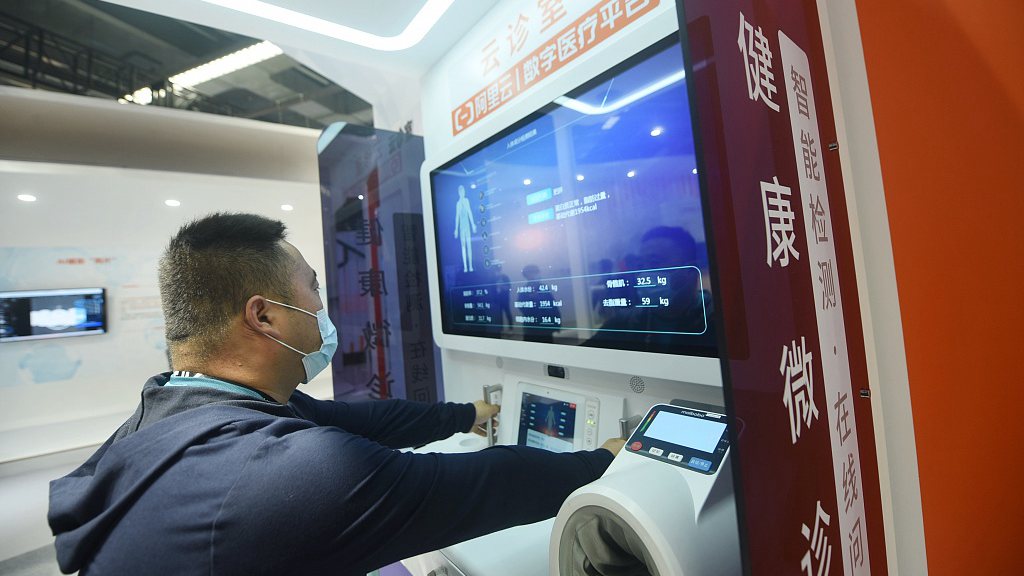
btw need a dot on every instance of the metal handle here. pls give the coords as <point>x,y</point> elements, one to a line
<point>492,392</point>
<point>627,425</point>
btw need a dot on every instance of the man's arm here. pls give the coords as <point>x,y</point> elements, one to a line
<point>392,423</point>
<point>355,505</point>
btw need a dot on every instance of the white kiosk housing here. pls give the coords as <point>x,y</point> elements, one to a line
<point>567,263</point>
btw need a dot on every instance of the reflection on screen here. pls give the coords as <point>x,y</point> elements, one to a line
<point>582,224</point>
<point>688,431</point>
<point>547,423</point>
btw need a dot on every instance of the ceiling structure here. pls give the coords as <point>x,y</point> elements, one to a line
<point>379,17</point>
<point>102,49</point>
<point>113,48</point>
<point>390,80</point>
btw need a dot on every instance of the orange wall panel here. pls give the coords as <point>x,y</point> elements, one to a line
<point>947,89</point>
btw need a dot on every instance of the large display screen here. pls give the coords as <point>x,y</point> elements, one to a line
<point>582,224</point>
<point>547,423</point>
<point>36,314</point>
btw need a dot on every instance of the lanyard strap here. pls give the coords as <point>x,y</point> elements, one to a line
<point>199,380</point>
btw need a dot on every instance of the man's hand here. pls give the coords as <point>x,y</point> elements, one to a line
<point>484,411</point>
<point>613,445</point>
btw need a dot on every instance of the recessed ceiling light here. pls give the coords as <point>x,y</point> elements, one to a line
<point>287,207</point>
<point>631,173</point>
<point>579,177</point>
<point>26,198</point>
<point>527,182</point>
<point>360,196</point>
<point>657,131</point>
<point>172,203</point>
<point>143,96</point>
<point>418,27</point>
<point>694,170</point>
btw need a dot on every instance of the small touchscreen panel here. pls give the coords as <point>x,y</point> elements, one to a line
<point>695,433</point>
<point>688,437</point>
<point>547,423</point>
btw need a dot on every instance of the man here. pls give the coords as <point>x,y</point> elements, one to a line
<point>226,469</point>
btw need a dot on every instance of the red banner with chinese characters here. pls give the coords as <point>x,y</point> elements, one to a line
<point>794,363</point>
<point>601,22</point>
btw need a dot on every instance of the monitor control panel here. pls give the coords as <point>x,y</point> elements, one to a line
<point>557,420</point>
<point>693,436</point>
<point>590,426</point>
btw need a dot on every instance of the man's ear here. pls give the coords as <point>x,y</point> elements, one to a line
<point>262,316</point>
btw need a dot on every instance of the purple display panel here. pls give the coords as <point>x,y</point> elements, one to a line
<point>376,264</point>
<point>793,361</point>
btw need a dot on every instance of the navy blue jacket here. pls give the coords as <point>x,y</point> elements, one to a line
<point>206,481</point>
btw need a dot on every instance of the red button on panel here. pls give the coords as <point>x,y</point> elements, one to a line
<point>635,446</point>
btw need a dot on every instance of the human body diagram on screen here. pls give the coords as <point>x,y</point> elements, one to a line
<point>465,227</point>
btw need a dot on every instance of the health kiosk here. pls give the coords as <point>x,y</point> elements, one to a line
<point>569,276</point>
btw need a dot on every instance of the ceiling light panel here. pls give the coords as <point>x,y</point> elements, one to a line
<point>235,61</point>
<point>419,26</point>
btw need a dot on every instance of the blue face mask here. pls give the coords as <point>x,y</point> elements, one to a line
<point>315,362</point>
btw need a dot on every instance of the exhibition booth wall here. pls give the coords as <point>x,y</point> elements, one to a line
<point>949,115</point>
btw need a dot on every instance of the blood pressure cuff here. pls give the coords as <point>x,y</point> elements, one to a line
<point>596,542</point>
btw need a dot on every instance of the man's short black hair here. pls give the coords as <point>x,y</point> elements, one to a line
<point>212,267</point>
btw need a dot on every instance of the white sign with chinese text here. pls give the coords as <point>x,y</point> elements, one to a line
<point>530,42</point>
<point>834,358</point>
<point>798,394</point>
<point>818,558</point>
<point>757,63</point>
<point>779,232</point>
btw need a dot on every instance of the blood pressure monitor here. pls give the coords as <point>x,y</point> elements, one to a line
<point>692,436</point>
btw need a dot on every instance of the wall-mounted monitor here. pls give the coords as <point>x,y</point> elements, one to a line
<point>39,314</point>
<point>580,225</point>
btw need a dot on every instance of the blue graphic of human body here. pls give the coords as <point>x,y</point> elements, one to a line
<point>465,227</point>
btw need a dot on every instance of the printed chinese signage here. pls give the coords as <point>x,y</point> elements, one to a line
<point>417,339</point>
<point>795,366</point>
<point>821,252</point>
<point>560,41</point>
